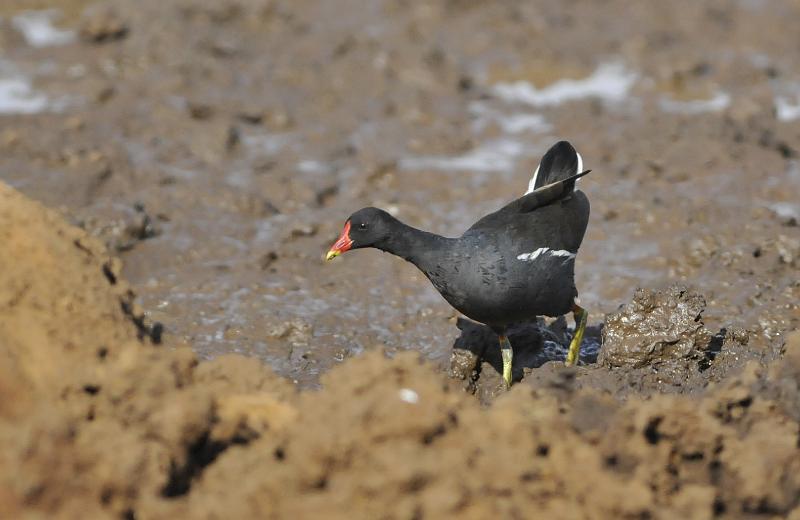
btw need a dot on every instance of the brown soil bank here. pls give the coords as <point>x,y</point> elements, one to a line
<point>97,419</point>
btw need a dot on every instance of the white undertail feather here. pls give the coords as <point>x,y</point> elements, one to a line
<point>532,183</point>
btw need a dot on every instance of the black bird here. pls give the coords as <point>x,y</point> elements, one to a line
<point>511,265</point>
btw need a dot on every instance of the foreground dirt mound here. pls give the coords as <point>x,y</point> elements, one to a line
<point>98,420</point>
<point>95,418</point>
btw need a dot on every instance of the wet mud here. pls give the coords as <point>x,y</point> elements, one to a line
<point>99,421</point>
<point>173,346</point>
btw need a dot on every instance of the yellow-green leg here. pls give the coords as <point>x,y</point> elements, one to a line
<point>508,356</point>
<point>580,325</point>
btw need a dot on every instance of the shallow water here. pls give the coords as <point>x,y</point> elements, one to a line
<point>17,95</point>
<point>38,30</point>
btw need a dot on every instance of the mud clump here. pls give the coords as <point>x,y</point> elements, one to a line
<point>657,326</point>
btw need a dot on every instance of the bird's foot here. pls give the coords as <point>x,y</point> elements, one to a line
<point>508,356</point>
<point>580,315</point>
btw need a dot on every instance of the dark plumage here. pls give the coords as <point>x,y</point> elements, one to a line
<point>511,265</point>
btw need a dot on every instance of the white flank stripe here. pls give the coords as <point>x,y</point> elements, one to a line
<point>527,257</point>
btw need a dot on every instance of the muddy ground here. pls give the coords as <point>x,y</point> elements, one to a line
<point>209,152</point>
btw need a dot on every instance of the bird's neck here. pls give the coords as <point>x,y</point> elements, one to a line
<point>421,248</point>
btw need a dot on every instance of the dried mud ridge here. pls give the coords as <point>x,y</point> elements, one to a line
<point>98,421</point>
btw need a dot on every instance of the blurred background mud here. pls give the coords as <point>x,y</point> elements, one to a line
<point>216,148</point>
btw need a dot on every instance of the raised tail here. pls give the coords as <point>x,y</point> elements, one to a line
<point>548,193</point>
<point>560,163</point>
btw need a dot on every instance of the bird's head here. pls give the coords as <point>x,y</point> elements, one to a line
<point>367,227</point>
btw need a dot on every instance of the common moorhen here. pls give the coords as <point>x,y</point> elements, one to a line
<point>511,265</point>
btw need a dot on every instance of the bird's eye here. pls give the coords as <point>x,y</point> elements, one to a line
<point>363,225</point>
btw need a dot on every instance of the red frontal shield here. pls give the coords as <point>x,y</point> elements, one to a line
<point>342,244</point>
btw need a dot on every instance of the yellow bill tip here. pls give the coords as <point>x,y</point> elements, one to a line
<point>331,255</point>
